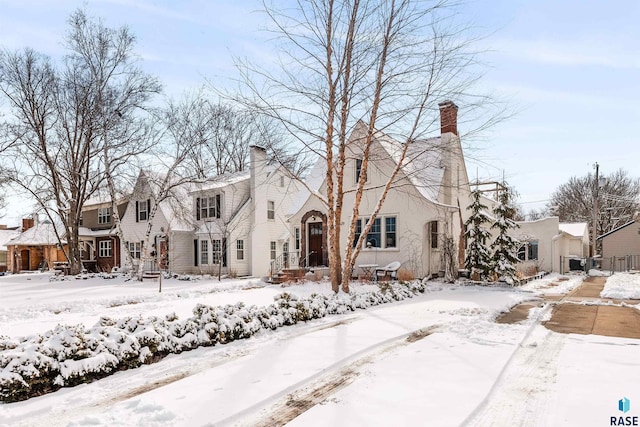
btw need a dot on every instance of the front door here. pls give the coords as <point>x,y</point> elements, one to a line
<point>315,244</point>
<point>26,260</point>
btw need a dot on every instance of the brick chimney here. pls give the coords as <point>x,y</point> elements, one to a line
<point>27,223</point>
<point>448,117</point>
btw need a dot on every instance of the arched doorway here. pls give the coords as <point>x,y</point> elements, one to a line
<point>314,238</point>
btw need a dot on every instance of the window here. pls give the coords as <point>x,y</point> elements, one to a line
<point>104,215</point>
<point>273,250</point>
<point>374,236</point>
<point>135,249</point>
<point>357,233</point>
<point>390,232</point>
<point>216,251</point>
<point>209,207</point>
<point>104,249</point>
<point>433,234</point>
<point>142,210</point>
<point>532,253</point>
<point>240,250</point>
<point>282,181</point>
<point>271,210</point>
<point>297,235</point>
<point>204,252</point>
<point>358,170</point>
<point>528,251</point>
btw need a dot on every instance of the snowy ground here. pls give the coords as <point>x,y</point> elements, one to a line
<point>437,359</point>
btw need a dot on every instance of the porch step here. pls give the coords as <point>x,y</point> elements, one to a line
<point>288,275</point>
<point>151,274</point>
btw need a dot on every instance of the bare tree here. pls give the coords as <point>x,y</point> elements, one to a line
<point>618,200</point>
<point>180,135</point>
<point>60,117</point>
<point>366,65</point>
<point>226,133</point>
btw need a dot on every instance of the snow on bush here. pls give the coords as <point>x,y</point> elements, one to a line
<point>72,354</point>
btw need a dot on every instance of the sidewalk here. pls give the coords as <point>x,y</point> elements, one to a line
<point>582,311</point>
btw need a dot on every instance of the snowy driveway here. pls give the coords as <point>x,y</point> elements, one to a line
<point>437,359</point>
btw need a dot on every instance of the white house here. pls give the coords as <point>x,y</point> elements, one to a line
<point>241,224</point>
<point>545,242</point>
<point>426,203</point>
<point>172,230</point>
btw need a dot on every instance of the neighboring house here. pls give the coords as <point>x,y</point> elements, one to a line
<point>222,217</point>
<point>36,247</point>
<point>573,244</point>
<point>241,219</point>
<point>100,248</point>
<point>621,247</point>
<point>6,234</point>
<point>545,242</point>
<point>426,203</point>
<point>171,237</point>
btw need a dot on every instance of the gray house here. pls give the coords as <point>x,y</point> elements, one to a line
<point>621,247</point>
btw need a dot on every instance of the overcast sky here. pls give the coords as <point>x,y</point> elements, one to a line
<point>570,69</point>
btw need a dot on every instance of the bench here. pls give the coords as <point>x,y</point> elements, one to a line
<point>390,270</point>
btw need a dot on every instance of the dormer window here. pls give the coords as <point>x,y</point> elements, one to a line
<point>209,207</point>
<point>104,215</point>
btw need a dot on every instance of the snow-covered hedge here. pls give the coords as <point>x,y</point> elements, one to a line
<point>72,354</point>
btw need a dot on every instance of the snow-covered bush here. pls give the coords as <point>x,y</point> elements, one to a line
<point>72,354</point>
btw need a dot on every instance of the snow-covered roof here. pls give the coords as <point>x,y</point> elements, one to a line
<point>313,182</point>
<point>209,228</point>
<point>41,234</point>
<point>423,166</point>
<point>87,232</point>
<point>423,163</point>
<point>103,198</point>
<point>177,209</point>
<point>222,181</point>
<point>575,229</point>
<point>5,236</point>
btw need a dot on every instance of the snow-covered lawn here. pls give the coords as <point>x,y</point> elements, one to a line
<point>435,359</point>
<point>622,285</point>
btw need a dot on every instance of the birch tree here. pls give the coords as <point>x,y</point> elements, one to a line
<point>383,64</point>
<point>60,115</point>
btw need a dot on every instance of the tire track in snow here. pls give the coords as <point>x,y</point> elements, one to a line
<point>523,389</point>
<point>281,408</point>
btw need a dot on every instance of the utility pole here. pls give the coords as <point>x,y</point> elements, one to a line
<point>596,190</point>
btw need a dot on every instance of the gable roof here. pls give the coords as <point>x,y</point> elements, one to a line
<point>423,164</point>
<point>41,234</point>
<point>575,229</point>
<point>176,208</point>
